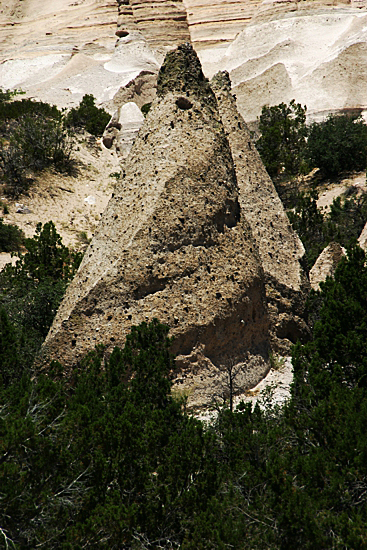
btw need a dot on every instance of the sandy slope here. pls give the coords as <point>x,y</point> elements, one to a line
<point>74,204</point>
<point>58,51</point>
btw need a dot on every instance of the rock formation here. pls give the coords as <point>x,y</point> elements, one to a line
<point>279,246</point>
<point>123,128</point>
<point>312,51</point>
<point>162,23</point>
<point>174,244</point>
<point>362,239</point>
<point>326,264</point>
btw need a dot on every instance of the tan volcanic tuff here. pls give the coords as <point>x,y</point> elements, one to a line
<point>58,51</point>
<point>173,244</point>
<point>279,246</point>
<point>326,264</point>
<point>163,23</point>
<point>310,51</point>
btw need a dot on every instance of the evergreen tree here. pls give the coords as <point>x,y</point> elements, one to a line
<point>283,137</point>
<point>338,144</point>
<point>31,290</point>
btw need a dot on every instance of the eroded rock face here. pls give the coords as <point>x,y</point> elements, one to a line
<point>280,248</point>
<point>362,239</point>
<point>326,264</point>
<point>123,128</point>
<point>163,23</point>
<point>174,244</point>
<point>312,52</point>
<point>139,90</point>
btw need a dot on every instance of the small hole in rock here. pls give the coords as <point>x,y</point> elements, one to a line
<point>183,103</point>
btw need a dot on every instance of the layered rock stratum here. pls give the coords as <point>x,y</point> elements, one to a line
<point>176,243</point>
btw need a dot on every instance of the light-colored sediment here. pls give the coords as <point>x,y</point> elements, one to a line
<point>314,52</point>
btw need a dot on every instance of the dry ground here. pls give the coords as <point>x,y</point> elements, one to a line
<point>62,199</point>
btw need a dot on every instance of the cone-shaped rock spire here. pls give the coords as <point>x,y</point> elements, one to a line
<point>173,244</point>
<point>281,251</point>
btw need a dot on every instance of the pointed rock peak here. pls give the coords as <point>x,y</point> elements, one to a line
<point>280,248</point>
<point>221,81</point>
<point>181,73</point>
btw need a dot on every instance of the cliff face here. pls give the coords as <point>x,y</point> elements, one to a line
<point>312,51</point>
<point>174,244</point>
<point>163,23</point>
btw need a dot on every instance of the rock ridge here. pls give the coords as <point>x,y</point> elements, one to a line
<point>281,250</point>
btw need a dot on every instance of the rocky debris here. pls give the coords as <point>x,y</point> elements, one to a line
<point>123,129</point>
<point>326,264</point>
<point>22,209</point>
<point>281,251</point>
<point>140,90</point>
<point>173,244</point>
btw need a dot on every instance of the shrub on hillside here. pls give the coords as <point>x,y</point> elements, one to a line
<point>11,237</point>
<point>93,119</point>
<point>7,95</point>
<point>14,110</point>
<point>32,289</point>
<point>343,223</point>
<point>338,144</point>
<point>37,141</point>
<point>283,138</point>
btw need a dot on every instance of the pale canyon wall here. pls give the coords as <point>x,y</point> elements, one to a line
<point>274,51</point>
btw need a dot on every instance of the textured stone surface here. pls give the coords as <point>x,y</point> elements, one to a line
<point>279,246</point>
<point>163,23</point>
<point>326,264</point>
<point>140,90</point>
<point>174,244</point>
<point>312,51</point>
<point>362,239</point>
<point>58,51</point>
<point>123,128</point>
<point>217,22</point>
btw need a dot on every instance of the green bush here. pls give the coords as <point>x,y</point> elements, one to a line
<point>11,237</point>
<point>16,109</point>
<point>36,142</point>
<point>7,95</point>
<point>283,138</point>
<point>146,108</point>
<point>308,221</point>
<point>339,144</point>
<point>89,117</point>
<point>343,223</point>
<point>32,289</point>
